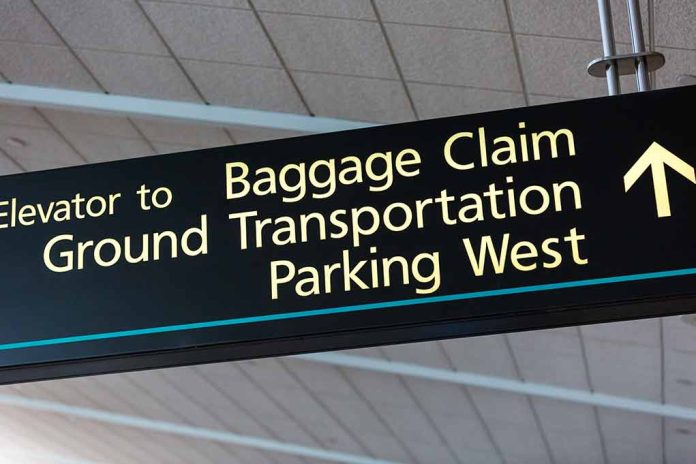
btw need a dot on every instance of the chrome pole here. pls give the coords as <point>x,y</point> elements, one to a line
<point>636,26</point>
<point>608,45</point>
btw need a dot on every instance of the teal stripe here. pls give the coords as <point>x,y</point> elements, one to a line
<point>350,309</point>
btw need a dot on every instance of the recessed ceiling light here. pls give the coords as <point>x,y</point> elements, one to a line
<point>686,79</point>
<point>689,319</point>
<point>16,142</point>
<point>686,382</point>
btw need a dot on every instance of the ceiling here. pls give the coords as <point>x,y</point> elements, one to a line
<point>370,60</point>
<point>396,418</point>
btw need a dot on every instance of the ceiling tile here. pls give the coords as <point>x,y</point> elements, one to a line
<point>21,116</point>
<point>574,19</point>
<point>554,415</point>
<point>26,24</point>
<point>98,148</point>
<point>183,134</point>
<point>547,357</point>
<point>680,378</point>
<point>358,98</point>
<point>323,380</point>
<point>503,407</point>
<point>73,121</point>
<point>439,398</point>
<point>455,56</point>
<point>331,45</point>
<point>557,67</point>
<point>535,99</point>
<point>165,148</point>
<point>520,443</point>
<point>259,134</point>
<point>220,3</point>
<point>680,442</point>
<point>424,353</point>
<point>435,101</point>
<point>674,23</point>
<point>677,62</point>
<point>207,33</point>
<point>643,332</point>
<point>103,24</point>
<point>7,165</point>
<point>679,335</point>
<point>355,9</point>
<point>245,86</point>
<point>631,437</point>
<point>619,369</point>
<point>47,65</point>
<point>575,448</point>
<point>463,433</point>
<point>139,75</point>
<point>44,149</point>
<point>468,14</point>
<point>486,355</point>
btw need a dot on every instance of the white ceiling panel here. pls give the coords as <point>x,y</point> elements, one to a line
<point>8,165</point>
<point>354,9</point>
<point>49,65</point>
<point>21,116</point>
<point>356,98</point>
<point>535,351</point>
<point>644,332</point>
<point>680,378</point>
<point>26,24</point>
<point>520,444</point>
<point>331,45</point>
<point>678,62</point>
<point>674,23</point>
<point>99,148</point>
<point>622,369</point>
<point>486,355</point>
<point>246,135</point>
<point>208,33</point>
<point>554,415</point>
<point>455,56</point>
<point>575,448</point>
<point>502,407</point>
<point>557,67</point>
<point>44,148</point>
<point>183,134</point>
<point>678,335</point>
<point>103,24</point>
<point>631,438</point>
<point>221,3</point>
<point>255,87</point>
<point>435,101</point>
<point>680,441</point>
<point>139,75</point>
<point>535,99</point>
<point>468,14</point>
<point>72,121</point>
<point>570,18</point>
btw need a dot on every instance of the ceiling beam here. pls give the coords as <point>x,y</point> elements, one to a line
<point>190,431</point>
<point>502,384</point>
<point>194,113</point>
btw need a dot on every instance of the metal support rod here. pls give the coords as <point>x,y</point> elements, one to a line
<point>636,27</point>
<point>606,24</point>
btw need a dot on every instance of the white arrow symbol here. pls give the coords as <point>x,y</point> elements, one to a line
<point>655,158</point>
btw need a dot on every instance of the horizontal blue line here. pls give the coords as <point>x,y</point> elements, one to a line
<point>350,309</point>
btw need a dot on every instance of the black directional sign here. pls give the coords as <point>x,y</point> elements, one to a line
<point>537,217</point>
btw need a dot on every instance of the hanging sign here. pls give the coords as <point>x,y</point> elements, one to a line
<point>529,218</point>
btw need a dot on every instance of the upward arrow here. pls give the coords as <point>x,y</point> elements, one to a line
<point>655,158</point>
